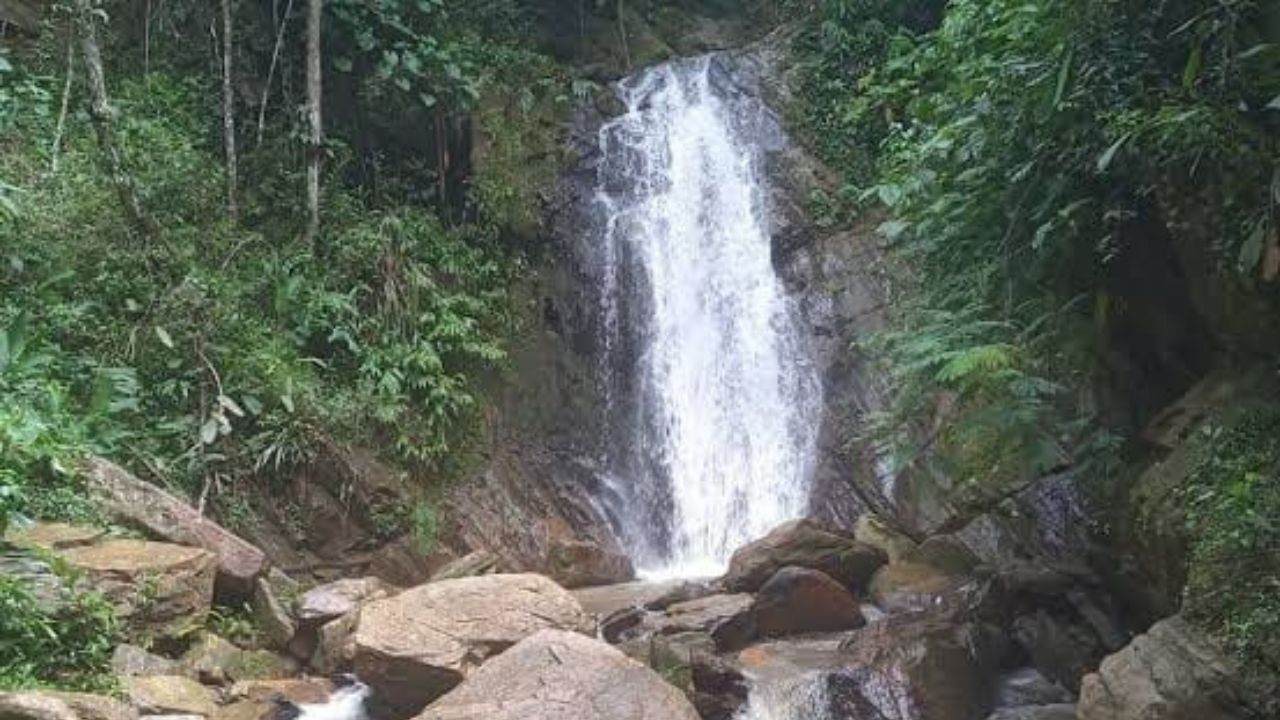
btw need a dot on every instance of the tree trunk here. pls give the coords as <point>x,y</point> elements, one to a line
<point>315,135</point>
<point>103,116</point>
<point>271,70</point>
<point>229,113</point>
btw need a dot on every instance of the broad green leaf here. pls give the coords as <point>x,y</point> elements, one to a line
<point>1251,249</point>
<point>1107,157</point>
<point>164,337</point>
<point>230,406</point>
<point>209,431</point>
<point>1064,77</point>
<point>1191,71</point>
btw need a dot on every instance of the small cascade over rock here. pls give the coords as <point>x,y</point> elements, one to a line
<point>712,398</point>
<point>801,697</point>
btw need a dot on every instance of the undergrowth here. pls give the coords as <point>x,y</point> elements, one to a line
<point>1232,502</point>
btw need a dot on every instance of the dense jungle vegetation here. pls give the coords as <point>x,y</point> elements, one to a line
<point>1087,194</point>
<point>174,300</point>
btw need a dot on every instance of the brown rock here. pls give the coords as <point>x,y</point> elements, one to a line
<point>331,601</point>
<point>578,563</point>
<point>726,618</point>
<point>256,699</point>
<point>169,695</point>
<point>147,507</point>
<point>480,562</point>
<point>157,588</point>
<point>928,666</point>
<point>133,660</point>
<point>214,661</point>
<point>803,543</point>
<point>555,675</point>
<point>335,648</point>
<point>799,600</point>
<point>53,705</point>
<point>874,531</point>
<point>270,612</point>
<point>416,646</point>
<point>1173,672</point>
<point>904,586</point>
<point>53,536</point>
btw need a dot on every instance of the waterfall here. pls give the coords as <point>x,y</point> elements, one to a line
<point>712,397</point>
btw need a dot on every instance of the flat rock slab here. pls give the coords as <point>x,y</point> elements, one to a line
<point>149,508</point>
<point>157,588</point>
<point>416,646</point>
<point>169,695</point>
<point>556,675</point>
<point>605,600</point>
<point>53,705</point>
<point>53,536</point>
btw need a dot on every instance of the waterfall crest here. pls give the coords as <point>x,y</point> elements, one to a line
<point>712,398</point>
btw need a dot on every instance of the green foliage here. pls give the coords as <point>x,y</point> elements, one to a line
<point>67,648</point>
<point>236,625</point>
<point>1023,149</point>
<point>426,526</point>
<point>220,353</point>
<point>1232,501</point>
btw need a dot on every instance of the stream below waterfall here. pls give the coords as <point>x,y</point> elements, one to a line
<point>713,400</point>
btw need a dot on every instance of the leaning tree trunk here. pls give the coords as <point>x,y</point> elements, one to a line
<point>103,116</point>
<point>315,134</point>
<point>229,113</point>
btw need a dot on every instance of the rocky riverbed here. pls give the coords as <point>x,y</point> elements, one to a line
<point>808,622</point>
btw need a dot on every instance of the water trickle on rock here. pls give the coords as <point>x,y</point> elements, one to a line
<point>713,400</point>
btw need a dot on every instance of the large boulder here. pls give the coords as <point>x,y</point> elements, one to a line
<point>52,536</point>
<point>416,646</point>
<point>919,666</point>
<point>331,601</point>
<point>214,661</point>
<point>169,695</point>
<point>133,502</point>
<point>52,705</point>
<point>727,619</point>
<point>270,606</point>
<point>578,563</point>
<point>160,590</point>
<point>556,675</point>
<point>1173,672</point>
<point>874,531</point>
<point>128,660</point>
<point>803,543</point>
<point>261,699</point>
<point>798,600</point>
<point>903,586</point>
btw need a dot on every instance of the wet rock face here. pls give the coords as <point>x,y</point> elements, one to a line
<point>53,705</point>
<point>798,600</point>
<point>416,646</point>
<point>556,675</point>
<point>804,544</point>
<point>1173,672</point>
<point>158,589</point>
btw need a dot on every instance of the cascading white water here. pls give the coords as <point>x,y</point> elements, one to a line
<point>799,698</point>
<point>713,398</point>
